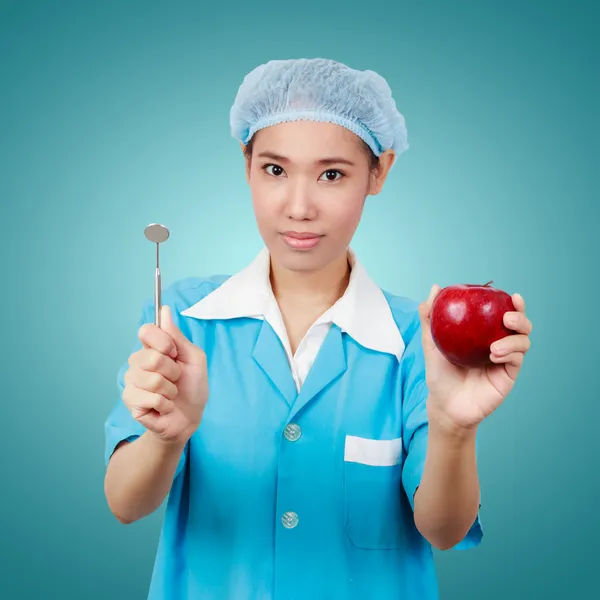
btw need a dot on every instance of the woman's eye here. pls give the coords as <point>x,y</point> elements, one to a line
<point>330,175</point>
<point>276,172</point>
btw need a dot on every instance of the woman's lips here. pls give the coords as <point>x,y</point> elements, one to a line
<point>301,241</point>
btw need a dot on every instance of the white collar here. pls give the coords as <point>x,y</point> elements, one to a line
<point>363,311</point>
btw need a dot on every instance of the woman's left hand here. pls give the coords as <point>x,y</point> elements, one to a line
<point>463,397</point>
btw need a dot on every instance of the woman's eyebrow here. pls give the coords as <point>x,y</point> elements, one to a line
<point>321,162</point>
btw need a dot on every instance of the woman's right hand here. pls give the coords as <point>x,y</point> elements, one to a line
<point>166,385</point>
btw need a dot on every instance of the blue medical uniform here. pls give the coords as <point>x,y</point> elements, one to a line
<point>289,495</point>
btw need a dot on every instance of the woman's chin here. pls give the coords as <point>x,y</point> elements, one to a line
<point>297,260</point>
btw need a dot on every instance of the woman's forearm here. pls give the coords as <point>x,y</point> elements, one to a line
<point>139,476</point>
<point>447,500</point>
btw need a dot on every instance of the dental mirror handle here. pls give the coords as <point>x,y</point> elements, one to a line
<point>157,288</point>
<point>157,233</point>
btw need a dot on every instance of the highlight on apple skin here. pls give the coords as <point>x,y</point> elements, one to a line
<point>466,319</point>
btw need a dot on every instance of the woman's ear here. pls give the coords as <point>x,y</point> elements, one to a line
<point>246,161</point>
<point>379,175</point>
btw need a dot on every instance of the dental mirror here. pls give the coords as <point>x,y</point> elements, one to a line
<point>157,233</point>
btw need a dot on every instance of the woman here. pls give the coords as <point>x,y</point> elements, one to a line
<point>336,445</point>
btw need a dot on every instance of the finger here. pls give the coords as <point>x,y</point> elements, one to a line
<point>519,302</point>
<point>141,402</point>
<point>509,344</point>
<point>151,381</point>
<point>514,358</point>
<point>148,359</point>
<point>152,421</point>
<point>517,321</point>
<point>153,336</point>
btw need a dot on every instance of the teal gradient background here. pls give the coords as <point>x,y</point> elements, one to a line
<point>116,114</point>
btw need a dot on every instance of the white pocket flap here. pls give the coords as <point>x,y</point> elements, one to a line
<point>377,453</point>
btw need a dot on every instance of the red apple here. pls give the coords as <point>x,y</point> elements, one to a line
<point>467,319</point>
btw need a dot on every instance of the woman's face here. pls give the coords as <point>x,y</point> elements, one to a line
<point>308,182</point>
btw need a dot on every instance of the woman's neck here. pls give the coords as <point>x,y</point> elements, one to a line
<point>312,289</point>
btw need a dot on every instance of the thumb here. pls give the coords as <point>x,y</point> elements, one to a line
<point>186,351</point>
<point>425,316</point>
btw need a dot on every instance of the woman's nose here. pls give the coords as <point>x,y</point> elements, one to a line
<point>299,202</point>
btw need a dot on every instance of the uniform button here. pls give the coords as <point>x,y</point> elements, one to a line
<point>292,432</point>
<point>289,520</point>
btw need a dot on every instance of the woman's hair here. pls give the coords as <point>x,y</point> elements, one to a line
<point>371,156</point>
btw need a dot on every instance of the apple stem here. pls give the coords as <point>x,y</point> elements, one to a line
<point>488,283</point>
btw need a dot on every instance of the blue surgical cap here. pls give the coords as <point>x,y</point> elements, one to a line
<point>319,89</point>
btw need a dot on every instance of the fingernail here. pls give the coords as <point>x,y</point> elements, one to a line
<point>498,349</point>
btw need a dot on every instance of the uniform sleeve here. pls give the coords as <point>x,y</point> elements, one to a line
<point>120,424</point>
<point>416,429</point>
